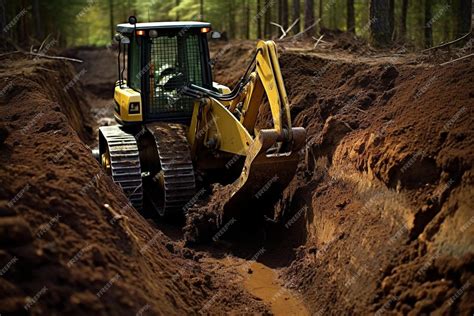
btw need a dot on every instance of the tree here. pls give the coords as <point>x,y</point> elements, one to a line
<point>177,11</point>
<point>111,18</point>
<point>320,15</point>
<point>403,21</point>
<point>258,20</point>
<point>37,17</point>
<point>463,17</point>
<point>268,18</point>
<point>350,16</point>
<point>201,9</point>
<point>284,16</point>
<point>428,24</point>
<point>308,16</point>
<point>283,13</point>
<point>247,19</point>
<point>296,15</point>
<point>232,29</point>
<point>381,22</point>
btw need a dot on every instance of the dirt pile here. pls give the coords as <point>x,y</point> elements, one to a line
<point>378,218</point>
<point>69,241</point>
<point>98,75</point>
<point>386,184</point>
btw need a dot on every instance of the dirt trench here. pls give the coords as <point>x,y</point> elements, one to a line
<point>69,241</point>
<point>380,213</point>
<point>378,218</point>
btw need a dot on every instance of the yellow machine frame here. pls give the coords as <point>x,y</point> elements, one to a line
<point>216,120</point>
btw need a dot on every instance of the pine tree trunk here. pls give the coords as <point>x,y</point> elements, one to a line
<point>381,28</point>
<point>177,11</point>
<point>111,16</point>
<point>258,19</point>
<point>428,24</point>
<point>296,15</point>
<point>463,18</point>
<point>268,18</point>
<point>350,16</point>
<point>279,12</point>
<point>247,19</point>
<point>284,15</point>
<point>201,9</point>
<point>37,18</point>
<point>309,16</point>
<point>320,15</point>
<point>3,15</point>
<point>232,32</point>
<point>403,21</point>
<point>391,16</point>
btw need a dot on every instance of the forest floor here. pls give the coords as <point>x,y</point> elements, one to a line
<point>379,217</point>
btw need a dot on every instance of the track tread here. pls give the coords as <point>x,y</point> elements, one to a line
<point>125,163</point>
<point>176,164</point>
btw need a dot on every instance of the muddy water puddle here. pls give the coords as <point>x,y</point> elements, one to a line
<point>262,282</point>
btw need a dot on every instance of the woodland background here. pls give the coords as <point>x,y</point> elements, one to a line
<point>413,23</point>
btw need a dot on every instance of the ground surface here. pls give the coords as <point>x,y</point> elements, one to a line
<point>379,218</point>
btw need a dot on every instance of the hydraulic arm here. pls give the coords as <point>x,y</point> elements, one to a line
<point>227,122</point>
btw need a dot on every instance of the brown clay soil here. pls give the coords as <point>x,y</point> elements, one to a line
<point>379,218</point>
<point>62,250</point>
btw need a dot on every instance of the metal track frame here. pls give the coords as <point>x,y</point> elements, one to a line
<point>177,171</point>
<point>125,169</point>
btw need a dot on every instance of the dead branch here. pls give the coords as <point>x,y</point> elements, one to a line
<point>306,30</point>
<point>278,25</point>
<point>123,220</point>
<point>42,44</point>
<point>54,57</point>
<point>289,28</point>
<point>448,43</point>
<point>318,40</point>
<point>42,56</point>
<point>10,53</point>
<point>285,32</point>
<point>457,59</point>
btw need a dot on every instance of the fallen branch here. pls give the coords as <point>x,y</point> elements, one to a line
<point>306,30</point>
<point>123,221</point>
<point>42,44</point>
<point>318,40</point>
<point>289,29</point>
<point>43,56</point>
<point>54,57</point>
<point>448,43</point>
<point>10,53</point>
<point>457,59</point>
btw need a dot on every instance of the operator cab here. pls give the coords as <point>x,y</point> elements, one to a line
<point>162,58</point>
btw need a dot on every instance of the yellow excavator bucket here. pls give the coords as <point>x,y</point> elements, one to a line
<point>265,172</point>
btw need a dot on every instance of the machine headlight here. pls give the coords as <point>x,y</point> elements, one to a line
<point>134,108</point>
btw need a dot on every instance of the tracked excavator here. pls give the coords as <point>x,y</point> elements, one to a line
<point>178,130</point>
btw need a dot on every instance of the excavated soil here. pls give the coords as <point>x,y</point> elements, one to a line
<point>382,203</point>
<point>69,241</point>
<point>378,219</point>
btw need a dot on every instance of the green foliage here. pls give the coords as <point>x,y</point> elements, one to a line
<point>88,22</point>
